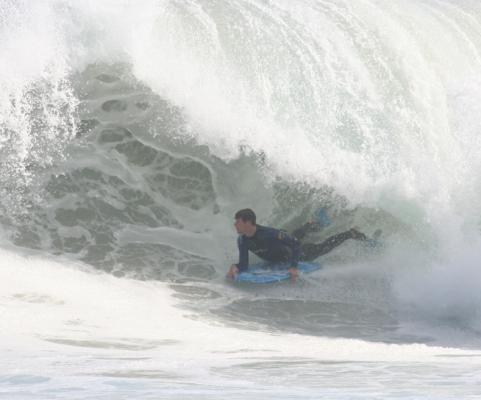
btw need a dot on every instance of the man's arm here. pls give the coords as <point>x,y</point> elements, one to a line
<point>294,244</point>
<point>243,254</point>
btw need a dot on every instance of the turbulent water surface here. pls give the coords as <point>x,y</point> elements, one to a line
<point>131,132</point>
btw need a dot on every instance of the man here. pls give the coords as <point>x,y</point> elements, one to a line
<point>275,245</point>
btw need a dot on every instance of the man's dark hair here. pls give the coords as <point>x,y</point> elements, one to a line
<point>246,215</point>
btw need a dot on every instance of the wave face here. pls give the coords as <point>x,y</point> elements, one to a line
<point>130,133</point>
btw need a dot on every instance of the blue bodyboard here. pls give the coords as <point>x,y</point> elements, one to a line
<point>273,272</point>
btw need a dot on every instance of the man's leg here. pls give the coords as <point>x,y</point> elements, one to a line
<point>320,220</point>
<point>300,233</point>
<point>313,250</point>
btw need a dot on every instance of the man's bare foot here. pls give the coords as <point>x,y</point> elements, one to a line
<point>357,235</point>
<point>294,274</point>
<point>233,272</point>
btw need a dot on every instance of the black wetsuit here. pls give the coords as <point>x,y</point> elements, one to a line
<point>275,245</point>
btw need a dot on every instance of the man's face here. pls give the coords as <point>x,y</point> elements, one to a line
<point>241,226</point>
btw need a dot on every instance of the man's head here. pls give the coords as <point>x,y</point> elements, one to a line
<point>245,221</point>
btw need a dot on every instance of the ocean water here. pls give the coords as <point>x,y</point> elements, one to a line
<point>131,132</point>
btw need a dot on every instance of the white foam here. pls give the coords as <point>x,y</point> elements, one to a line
<point>348,95</point>
<point>45,299</point>
<point>38,107</point>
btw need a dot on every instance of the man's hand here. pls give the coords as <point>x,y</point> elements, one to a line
<point>233,272</point>
<point>294,274</point>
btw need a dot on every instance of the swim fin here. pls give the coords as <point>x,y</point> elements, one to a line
<point>321,217</point>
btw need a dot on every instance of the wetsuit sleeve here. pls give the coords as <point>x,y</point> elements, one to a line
<point>294,244</point>
<point>243,254</point>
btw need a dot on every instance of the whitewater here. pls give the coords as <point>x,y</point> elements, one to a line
<point>130,134</point>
